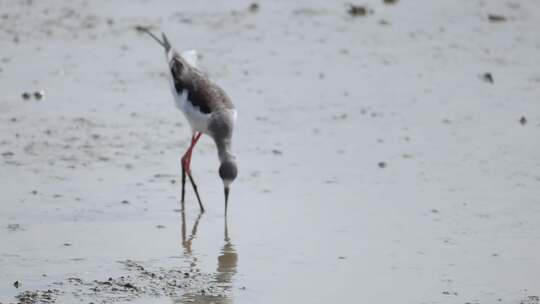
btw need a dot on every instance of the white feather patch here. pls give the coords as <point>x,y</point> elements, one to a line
<point>197,120</point>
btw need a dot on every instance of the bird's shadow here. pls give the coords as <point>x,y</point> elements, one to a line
<point>226,268</point>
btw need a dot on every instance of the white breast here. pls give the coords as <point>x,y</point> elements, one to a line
<point>197,120</point>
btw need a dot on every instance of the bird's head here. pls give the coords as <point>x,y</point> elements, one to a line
<point>228,172</point>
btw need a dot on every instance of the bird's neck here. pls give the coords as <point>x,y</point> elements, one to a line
<point>224,150</point>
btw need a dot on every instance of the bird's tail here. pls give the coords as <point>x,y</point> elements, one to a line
<point>190,56</point>
<point>165,43</point>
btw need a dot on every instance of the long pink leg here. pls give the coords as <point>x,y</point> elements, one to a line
<point>186,169</point>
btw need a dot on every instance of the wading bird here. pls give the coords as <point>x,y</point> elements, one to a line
<point>208,110</point>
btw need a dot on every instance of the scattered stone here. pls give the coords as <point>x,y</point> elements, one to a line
<point>390,1</point>
<point>434,211</point>
<point>382,165</point>
<point>254,7</point>
<point>487,77</point>
<point>357,10</point>
<point>496,18</point>
<point>341,258</point>
<point>160,226</point>
<point>16,284</point>
<point>125,202</point>
<point>522,121</point>
<point>66,244</point>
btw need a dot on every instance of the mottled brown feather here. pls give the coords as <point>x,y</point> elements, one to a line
<point>202,92</point>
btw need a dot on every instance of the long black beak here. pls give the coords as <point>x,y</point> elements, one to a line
<point>226,199</point>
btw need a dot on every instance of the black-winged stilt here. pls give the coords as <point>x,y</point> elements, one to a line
<point>208,110</point>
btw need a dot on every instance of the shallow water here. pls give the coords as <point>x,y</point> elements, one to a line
<point>91,183</point>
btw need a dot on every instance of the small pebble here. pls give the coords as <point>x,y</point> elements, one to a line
<point>39,95</point>
<point>26,95</point>
<point>523,120</point>
<point>487,77</point>
<point>382,165</point>
<point>254,7</point>
<point>16,284</point>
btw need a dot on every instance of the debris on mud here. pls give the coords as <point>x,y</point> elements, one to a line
<point>531,300</point>
<point>142,28</point>
<point>8,154</point>
<point>357,10</point>
<point>487,77</point>
<point>254,7</point>
<point>39,296</point>
<point>450,293</point>
<point>14,227</point>
<point>277,152</point>
<point>139,282</point>
<point>496,18</point>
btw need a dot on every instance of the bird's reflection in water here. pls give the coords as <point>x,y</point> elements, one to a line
<point>227,265</point>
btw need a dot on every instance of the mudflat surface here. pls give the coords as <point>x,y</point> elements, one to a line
<point>387,157</point>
